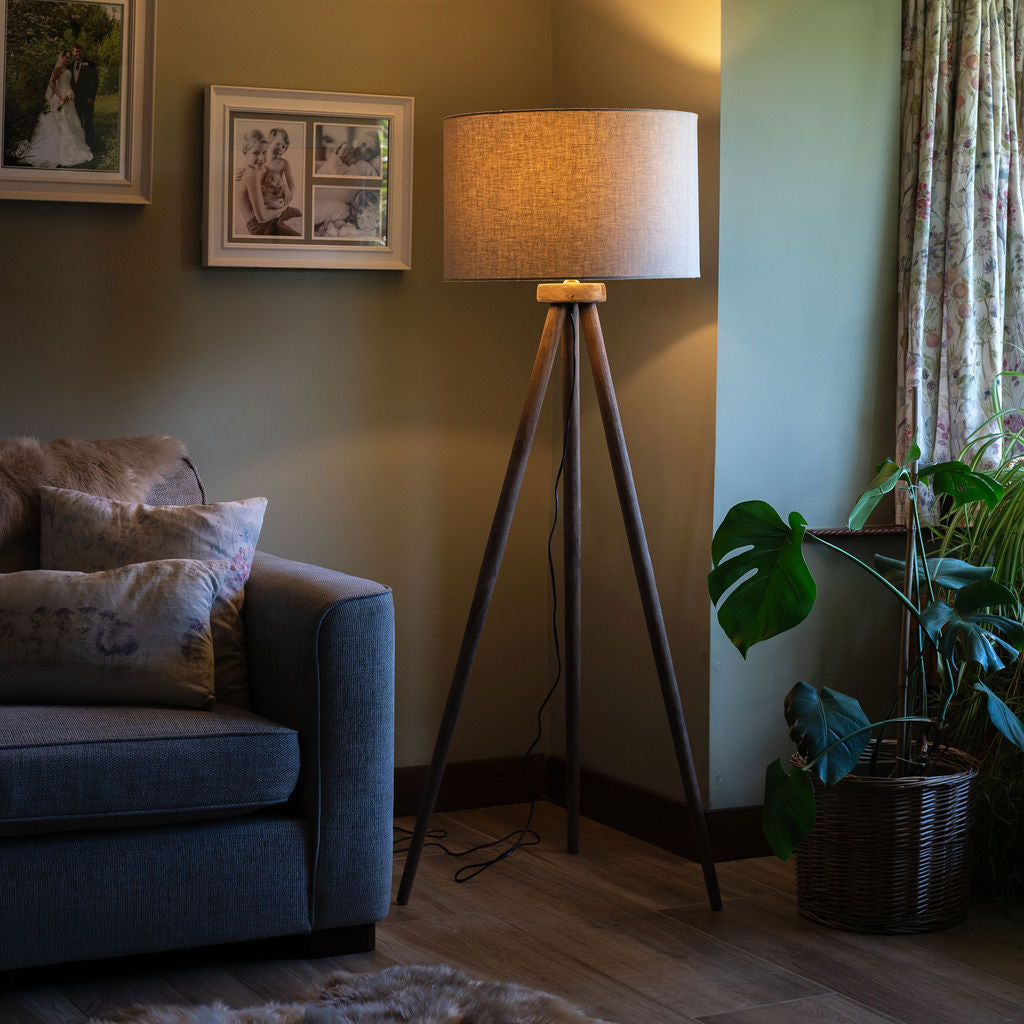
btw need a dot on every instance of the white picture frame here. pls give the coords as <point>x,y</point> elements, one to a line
<point>305,179</point>
<point>33,35</point>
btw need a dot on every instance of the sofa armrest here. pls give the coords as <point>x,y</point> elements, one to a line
<point>322,660</point>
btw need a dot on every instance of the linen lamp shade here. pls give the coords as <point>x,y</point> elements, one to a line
<point>592,194</point>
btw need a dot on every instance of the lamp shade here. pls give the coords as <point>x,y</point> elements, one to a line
<point>572,193</point>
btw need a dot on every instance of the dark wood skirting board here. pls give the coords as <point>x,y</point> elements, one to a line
<point>735,831</point>
<point>466,784</point>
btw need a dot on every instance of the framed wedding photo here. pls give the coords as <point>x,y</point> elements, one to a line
<point>76,100</point>
<point>307,179</point>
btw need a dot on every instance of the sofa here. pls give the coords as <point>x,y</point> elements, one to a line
<point>133,829</point>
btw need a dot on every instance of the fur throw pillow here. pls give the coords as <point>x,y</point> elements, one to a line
<point>124,468</point>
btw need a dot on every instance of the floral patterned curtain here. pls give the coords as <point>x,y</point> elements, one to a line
<point>961,230</point>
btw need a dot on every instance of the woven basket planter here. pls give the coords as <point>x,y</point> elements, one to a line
<point>890,855</point>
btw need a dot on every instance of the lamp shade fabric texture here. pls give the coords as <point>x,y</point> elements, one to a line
<point>578,193</point>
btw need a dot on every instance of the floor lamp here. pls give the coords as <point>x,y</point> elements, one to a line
<point>555,194</point>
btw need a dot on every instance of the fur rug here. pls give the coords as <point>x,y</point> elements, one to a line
<point>124,468</point>
<point>398,995</point>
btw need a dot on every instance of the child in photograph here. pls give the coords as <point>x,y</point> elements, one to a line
<point>364,215</point>
<point>251,213</point>
<point>368,153</point>
<point>359,218</point>
<point>345,161</point>
<point>278,185</point>
<point>354,159</point>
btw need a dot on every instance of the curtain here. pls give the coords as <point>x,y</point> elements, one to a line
<point>961,227</point>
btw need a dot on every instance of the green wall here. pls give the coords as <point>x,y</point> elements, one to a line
<point>376,409</point>
<point>660,337</point>
<point>806,328</point>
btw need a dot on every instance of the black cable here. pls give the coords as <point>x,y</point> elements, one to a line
<point>526,836</point>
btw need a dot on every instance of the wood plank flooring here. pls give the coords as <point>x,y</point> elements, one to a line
<point>623,931</point>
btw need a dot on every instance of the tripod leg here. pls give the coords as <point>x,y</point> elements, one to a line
<point>553,327</point>
<point>648,590</point>
<point>571,556</point>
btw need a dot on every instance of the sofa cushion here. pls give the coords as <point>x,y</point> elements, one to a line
<point>86,532</point>
<point>64,768</point>
<point>135,635</point>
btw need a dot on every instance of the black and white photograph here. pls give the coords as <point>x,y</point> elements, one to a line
<point>268,175</point>
<point>351,150</point>
<point>62,84</point>
<point>307,179</point>
<point>351,214</point>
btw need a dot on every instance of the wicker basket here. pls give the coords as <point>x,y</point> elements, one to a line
<point>890,855</point>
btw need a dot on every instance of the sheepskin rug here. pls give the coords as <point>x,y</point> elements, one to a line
<point>398,995</point>
<point>123,468</point>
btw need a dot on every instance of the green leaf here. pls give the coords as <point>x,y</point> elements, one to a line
<point>789,809</point>
<point>964,634</point>
<point>984,594</point>
<point>759,555</point>
<point>963,484</point>
<point>825,722</point>
<point>913,454</point>
<point>889,474</point>
<point>951,573</point>
<point>1002,717</point>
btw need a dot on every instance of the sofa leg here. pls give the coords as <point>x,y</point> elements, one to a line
<point>356,938</point>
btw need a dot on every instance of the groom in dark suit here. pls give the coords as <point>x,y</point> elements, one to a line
<point>85,78</point>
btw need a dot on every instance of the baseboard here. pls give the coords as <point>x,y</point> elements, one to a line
<point>735,832</point>
<point>466,784</point>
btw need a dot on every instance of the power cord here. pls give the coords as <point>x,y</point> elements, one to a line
<point>525,836</point>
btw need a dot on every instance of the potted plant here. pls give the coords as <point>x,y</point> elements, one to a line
<point>995,536</point>
<point>861,812</point>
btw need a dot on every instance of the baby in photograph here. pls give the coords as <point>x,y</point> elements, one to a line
<point>358,219</point>
<point>356,159</point>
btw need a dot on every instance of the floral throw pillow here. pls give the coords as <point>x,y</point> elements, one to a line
<point>87,533</point>
<point>135,635</point>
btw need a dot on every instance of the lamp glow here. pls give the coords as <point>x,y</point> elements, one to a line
<point>587,193</point>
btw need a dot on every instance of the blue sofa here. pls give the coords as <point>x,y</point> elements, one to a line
<point>127,830</point>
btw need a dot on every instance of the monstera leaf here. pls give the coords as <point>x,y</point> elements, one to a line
<point>888,476</point>
<point>758,555</point>
<point>1002,717</point>
<point>789,808</point>
<point>963,484</point>
<point>951,573</point>
<point>828,725</point>
<point>964,632</point>
<point>956,479</point>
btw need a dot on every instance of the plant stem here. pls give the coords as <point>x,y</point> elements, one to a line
<point>919,540</point>
<point>864,728</point>
<point>867,568</point>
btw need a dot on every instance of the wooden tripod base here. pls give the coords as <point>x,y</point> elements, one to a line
<point>568,301</point>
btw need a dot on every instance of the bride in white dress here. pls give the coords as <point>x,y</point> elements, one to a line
<point>58,139</point>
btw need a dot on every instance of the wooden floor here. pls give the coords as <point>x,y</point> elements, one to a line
<point>623,931</point>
